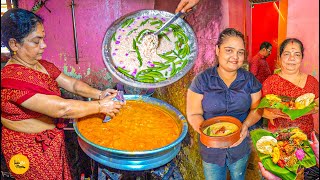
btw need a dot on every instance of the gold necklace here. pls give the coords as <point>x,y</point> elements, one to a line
<point>34,66</point>
<point>299,75</point>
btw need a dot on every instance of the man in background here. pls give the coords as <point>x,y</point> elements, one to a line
<point>258,65</point>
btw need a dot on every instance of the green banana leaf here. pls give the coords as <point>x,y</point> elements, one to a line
<point>286,173</point>
<point>292,113</point>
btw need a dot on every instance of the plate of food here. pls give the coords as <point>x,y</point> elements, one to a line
<point>290,107</point>
<point>284,152</point>
<point>143,61</point>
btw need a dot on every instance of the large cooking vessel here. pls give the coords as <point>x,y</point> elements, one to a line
<point>107,56</point>
<point>136,160</point>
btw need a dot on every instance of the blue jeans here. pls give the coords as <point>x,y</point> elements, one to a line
<point>215,172</point>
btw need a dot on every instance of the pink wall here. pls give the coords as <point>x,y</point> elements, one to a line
<point>236,14</point>
<point>92,20</point>
<point>239,17</point>
<point>303,23</point>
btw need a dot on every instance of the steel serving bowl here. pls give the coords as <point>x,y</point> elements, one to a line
<point>107,57</point>
<point>136,160</point>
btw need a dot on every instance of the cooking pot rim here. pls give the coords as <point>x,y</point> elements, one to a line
<point>183,133</point>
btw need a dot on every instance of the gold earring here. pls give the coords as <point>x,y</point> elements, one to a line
<point>14,52</point>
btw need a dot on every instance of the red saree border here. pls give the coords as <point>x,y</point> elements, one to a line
<point>18,77</point>
<point>25,86</point>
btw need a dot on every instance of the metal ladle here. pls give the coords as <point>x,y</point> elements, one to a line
<point>176,16</point>
<point>154,35</point>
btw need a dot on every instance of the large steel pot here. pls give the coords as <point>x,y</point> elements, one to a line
<point>107,56</point>
<point>136,160</point>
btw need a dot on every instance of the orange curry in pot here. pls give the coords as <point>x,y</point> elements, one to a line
<point>139,126</point>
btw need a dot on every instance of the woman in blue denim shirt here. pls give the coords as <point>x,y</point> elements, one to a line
<point>225,90</point>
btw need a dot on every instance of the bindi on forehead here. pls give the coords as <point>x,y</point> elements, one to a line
<point>293,50</point>
<point>292,45</point>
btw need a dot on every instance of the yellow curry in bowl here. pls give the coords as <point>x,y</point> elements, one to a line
<point>220,129</point>
<point>139,126</point>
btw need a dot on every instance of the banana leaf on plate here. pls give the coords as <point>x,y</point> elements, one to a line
<point>286,173</point>
<point>291,113</point>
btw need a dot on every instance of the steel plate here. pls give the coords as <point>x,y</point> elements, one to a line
<point>107,57</point>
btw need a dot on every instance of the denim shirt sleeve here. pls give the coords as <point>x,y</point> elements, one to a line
<point>256,86</point>
<point>196,85</point>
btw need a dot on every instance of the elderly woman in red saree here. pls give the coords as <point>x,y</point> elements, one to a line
<point>291,82</point>
<point>31,101</point>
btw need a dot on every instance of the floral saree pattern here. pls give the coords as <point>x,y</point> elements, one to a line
<point>279,86</point>
<point>45,150</point>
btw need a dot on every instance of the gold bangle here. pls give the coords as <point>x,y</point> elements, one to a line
<point>99,106</point>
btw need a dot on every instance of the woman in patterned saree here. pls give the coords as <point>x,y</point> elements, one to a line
<point>293,83</point>
<point>31,101</point>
